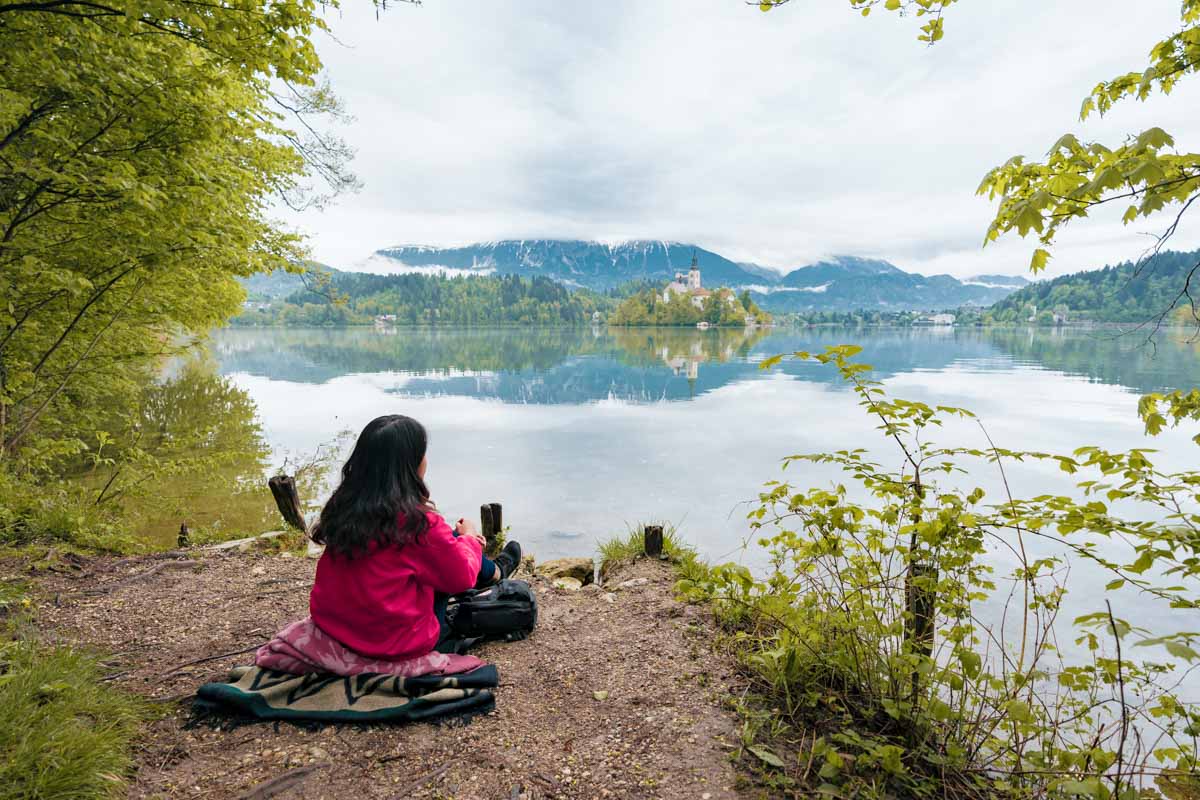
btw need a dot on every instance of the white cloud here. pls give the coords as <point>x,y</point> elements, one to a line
<point>778,138</point>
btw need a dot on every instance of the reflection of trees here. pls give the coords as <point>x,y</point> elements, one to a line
<point>1103,355</point>
<point>193,451</point>
<point>646,346</point>
<point>321,354</point>
<point>571,365</point>
<point>316,355</point>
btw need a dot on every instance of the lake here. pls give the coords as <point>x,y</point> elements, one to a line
<point>581,433</point>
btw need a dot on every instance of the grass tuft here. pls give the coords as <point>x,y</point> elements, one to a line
<point>625,549</point>
<point>63,733</point>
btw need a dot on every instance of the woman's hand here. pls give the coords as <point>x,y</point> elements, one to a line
<point>467,528</point>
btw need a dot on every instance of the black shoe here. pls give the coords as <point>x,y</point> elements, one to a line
<point>509,559</point>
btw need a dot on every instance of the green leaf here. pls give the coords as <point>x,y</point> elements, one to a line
<point>1018,710</point>
<point>766,755</point>
<point>1040,258</point>
<point>1180,650</point>
<point>768,363</point>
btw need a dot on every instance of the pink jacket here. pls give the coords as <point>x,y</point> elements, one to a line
<point>380,604</point>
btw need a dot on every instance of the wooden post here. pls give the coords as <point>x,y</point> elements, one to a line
<point>283,489</point>
<point>497,518</point>
<point>492,517</point>
<point>184,539</point>
<point>489,525</point>
<point>653,540</point>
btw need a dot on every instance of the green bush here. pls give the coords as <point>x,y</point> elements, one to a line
<point>63,734</point>
<point>873,673</point>
<point>36,511</point>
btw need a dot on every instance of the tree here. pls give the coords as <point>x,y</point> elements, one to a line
<point>1145,171</point>
<point>141,146</point>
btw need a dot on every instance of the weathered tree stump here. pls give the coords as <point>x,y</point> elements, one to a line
<point>283,489</point>
<point>653,540</point>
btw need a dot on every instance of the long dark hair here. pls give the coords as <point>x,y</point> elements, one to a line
<point>381,497</point>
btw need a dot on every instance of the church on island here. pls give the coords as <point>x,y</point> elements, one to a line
<point>690,285</point>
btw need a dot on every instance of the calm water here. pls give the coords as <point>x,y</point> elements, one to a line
<point>580,433</point>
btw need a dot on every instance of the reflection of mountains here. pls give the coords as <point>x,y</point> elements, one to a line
<point>547,366</point>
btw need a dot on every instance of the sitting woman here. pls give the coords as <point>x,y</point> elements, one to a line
<point>391,562</point>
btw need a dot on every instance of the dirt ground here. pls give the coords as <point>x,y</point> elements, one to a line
<point>663,731</point>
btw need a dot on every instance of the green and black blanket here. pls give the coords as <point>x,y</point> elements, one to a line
<point>264,694</point>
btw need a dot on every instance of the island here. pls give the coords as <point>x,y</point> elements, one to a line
<point>685,301</point>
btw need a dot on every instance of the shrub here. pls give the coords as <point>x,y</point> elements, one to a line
<point>43,511</point>
<point>865,628</point>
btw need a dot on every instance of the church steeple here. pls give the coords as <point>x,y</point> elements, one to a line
<point>694,273</point>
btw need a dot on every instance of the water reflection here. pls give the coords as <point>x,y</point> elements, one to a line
<point>581,432</point>
<point>193,452</point>
<point>556,366</point>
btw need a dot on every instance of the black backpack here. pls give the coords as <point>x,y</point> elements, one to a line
<point>505,612</point>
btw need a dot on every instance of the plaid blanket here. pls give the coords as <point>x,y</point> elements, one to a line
<point>367,697</point>
<point>305,674</point>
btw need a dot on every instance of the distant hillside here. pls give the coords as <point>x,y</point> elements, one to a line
<point>847,284</point>
<point>278,284</point>
<point>1111,294</point>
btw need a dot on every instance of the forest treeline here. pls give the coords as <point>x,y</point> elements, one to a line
<point>353,298</point>
<point>1129,292</point>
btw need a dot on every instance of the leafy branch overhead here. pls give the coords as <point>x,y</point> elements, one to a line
<point>1145,172</point>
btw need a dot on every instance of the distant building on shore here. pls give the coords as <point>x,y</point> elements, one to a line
<point>939,319</point>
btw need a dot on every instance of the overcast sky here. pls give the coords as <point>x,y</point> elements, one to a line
<point>777,138</point>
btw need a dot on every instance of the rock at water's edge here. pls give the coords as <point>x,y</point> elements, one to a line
<point>570,584</point>
<point>578,568</point>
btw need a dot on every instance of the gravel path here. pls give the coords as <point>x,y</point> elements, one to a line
<point>663,730</point>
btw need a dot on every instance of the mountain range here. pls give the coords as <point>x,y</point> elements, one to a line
<point>840,283</point>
